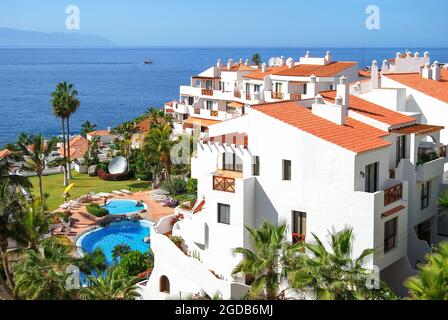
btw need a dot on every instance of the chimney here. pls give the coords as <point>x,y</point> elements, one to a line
<point>246,62</point>
<point>398,55</point>
<point>426,54</point>
<point>282,61</point>
<point>328,57</point>
<point>264,67</point>
<point>336,113</point>
<point>219,63</point>
<point>427,72</point>
<point>436,71</point>
<point>445,67</point>
<point>417,55</point>
<point>385,66</point>
<point>319,99</point>
<point>357,89</point>
<point>312,87</point>
<point>108,129</point>
<point>308,54</point>
<point>374,81</point>
<point>343,90</point>
<point>290,63</point>
<point>229,64</point>
<point>241,61</point>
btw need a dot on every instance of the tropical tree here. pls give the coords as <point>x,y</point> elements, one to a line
<point>335,274</point>
<point>124,143</point>
<point>158,118</point>
<point>432,281</point>
<point>266,264</point>
<point>25,139</point>
<point>443,203</point>
<point>93,263</point>
<point>87,127</point>
<point>158,145</point>
<point>65,103</point>
<point>91,156</point>
<point>35,156</point>
<point>110,285</point>
<point>120,250</point>
<point>256,59</point>
<point>42,275</point>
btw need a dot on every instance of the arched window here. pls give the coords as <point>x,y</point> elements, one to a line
<point>164,284</point>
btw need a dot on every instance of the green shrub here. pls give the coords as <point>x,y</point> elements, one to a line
<point>192,186</point>
<point>179,185</point>
<point>134,263</point>
<point>97,210</point>
<point>94,262</point>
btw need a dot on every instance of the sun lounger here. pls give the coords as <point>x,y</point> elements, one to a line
<point>118,193</point>
<point>126,191</point>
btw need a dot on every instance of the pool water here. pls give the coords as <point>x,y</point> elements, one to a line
<point>125,232</point>
<point>117,207</point>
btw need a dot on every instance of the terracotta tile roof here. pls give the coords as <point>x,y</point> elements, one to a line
<point>418,129</point>
<point>4,153</point>
<point>78,147</point>
<point>306,70</point>
<point>372,110</point>
<point>144,125</point>
<point>238,67</point>
<point>435,89</point>
<point>259,75</point>
<point>353,135</point>
<point>99,133</point>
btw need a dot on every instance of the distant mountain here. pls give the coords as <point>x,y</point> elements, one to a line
<point>21,38</point>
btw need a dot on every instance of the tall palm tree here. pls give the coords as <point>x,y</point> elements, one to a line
<point>24,138</point>
<point>265,265</point>
<point>87,127</point>
<point>335,274</point>
<point>432,281</point>
<point>65,102</point>
<point>42,275</point>
<point>256,59</point>
<point>110,285</point>
<point>35,156</point>
<point>124,143</point>
<point>59,111</point>
<point>158,145</point>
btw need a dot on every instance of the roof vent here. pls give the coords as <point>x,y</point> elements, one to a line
<point>436,71</point>
<point>264,67</point>
<point>319,99</point>
<point>417,55</point>
<point>290,63</point>
<point>282,61</point>
<point>427,72</point>
<point>229,64</point>
<point>398,55</point>
<point>241,61</point>
<point>219,63</point>
<point>328,56</point>
<point>426,54</point>
<point>308,54</point>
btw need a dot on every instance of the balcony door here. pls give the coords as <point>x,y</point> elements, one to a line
<point>298,226</point>
<point>231,162</point>
<point>278,87</point>
<point>401,149</point>
<point>209,84</point>
<point>372,177</point>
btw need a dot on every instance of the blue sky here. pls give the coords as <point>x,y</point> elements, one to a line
<point>295,23</point>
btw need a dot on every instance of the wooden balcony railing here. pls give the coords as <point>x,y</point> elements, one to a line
<point>207,92</point>
<point>197,111</point>
<point>393,194</point>
<point>295,96</point>
<point>248,96</point>
<point>224,184</point>
<point>213,113</point>
<point>442,152</point>
<point>297,237</point>
<point>237,94</point>
<point>277,95</point>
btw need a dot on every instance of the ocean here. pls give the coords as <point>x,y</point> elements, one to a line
<point>115,86</point>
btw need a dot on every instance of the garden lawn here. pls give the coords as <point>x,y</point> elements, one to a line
<point>54,186</point>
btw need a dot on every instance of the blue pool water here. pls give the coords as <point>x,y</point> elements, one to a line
<point>117,207</point>
<point>126,232</point>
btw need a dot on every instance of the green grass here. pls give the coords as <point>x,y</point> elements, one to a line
<point>54,186</point>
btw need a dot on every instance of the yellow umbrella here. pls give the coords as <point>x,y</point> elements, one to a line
<point>69,188</point>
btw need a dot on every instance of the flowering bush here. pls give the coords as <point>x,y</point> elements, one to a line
<point>103,175</point>
<point>177,218</point>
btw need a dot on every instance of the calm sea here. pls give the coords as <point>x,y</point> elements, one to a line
<point>114,85</point>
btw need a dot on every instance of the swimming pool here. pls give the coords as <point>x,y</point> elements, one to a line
<point>107,238</point>
<point>119,207</point>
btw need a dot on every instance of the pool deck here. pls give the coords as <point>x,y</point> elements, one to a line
<point>82,223</point>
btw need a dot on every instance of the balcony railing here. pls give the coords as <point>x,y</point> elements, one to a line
<point>197,111</point>
<point>224,184</point>
<point>295,96</point>
<point>277,95</point>
<point>207,92</point>
<point>237,94</point>
<point>213,113</point>
<point>393,194</point>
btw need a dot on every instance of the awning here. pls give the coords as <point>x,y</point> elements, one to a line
<point>235,104</point>
<point>418,129</point>
<point>200,122</point>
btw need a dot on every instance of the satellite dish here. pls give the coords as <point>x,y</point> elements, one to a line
<point>118,165</point>
<point>278,61</point>
<point>271,62</point>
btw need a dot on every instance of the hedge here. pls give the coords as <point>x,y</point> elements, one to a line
<point>96,210</point>
<point>103,175</point>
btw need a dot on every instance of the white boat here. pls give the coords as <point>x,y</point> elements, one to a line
<point>147,61</point>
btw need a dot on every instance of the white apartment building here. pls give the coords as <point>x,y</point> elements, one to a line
<point>319,164</point>
<point>224,92</point>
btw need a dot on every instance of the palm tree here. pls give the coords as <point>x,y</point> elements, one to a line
<point>120,250</point>
<point>158,118</point>
<point>42,275</point>
<point>256,59</point>
<point>87,127</point>
<point>110,285</point>
<point>124,143</point>
<point>334,275</point>
<point>35,157</point>
<point>25,139</point>
<point>58,108</point>
<point>443,203</point>
<point>158,145</point>
<point>65,102</point>
<point>265,265</point>
<point>432,281</point>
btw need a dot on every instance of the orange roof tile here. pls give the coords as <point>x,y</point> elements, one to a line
<point>435,89</point>
<point>4,153</point>
<point>306,70</point>
<point>78,147</point>
<point>418,129</point>
<point>238,67</point>
<point>372,110</point>
<point>144,125</point>
<point>259,75</point>
<point>353,135</point>
<point>99,133</point>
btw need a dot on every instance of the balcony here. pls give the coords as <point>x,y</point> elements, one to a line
<point>207,92</point>
<point>214,113</point>
<point>225,180</point>
<point>277,95</point>
<point>237,94</point>
<point>248,96</point>
<point>428,170</point>
<point>295,96</point>
<point>393,194</point>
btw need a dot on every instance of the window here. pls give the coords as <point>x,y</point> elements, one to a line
<point>287,170</point>
<point>331,87</point>
<point>372,177</point>
<point>256,166</point>
<point>247,87</point>
<point>223,213</point>
<point>190,101</point>
<point>198,83</point>
<point>390,234</point>
<point>257,88</point>
<point>209,105</point>
<point>401,149</point>
<point>208,84</point>
<point>425,195</point>
<point>305,88</point>
<point>231,162</point>
<point>299,222</point>
<point>278,87</point>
